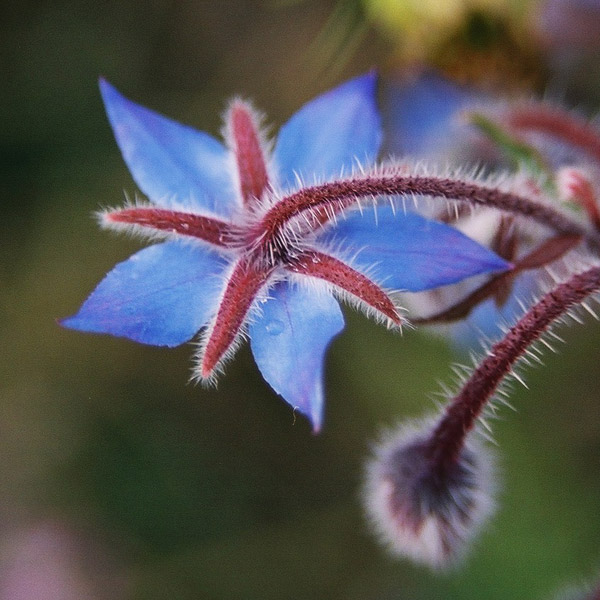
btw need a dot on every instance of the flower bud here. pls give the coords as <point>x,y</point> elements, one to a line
<point>581,592</point>
<point>420,508</point>
<point>576,185</point>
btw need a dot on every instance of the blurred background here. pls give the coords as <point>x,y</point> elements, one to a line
<point>118,479</point>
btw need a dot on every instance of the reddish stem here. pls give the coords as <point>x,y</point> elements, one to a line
<point>449,436</point>
<point>342,194</point>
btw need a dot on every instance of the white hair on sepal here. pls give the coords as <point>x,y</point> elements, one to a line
<point>212,379</point>
<point>314,285</point>
<point>340,253</point>
<point>168,203</point>
<point>264,136</point>
<point>371,312</point>
<point>102,217</point>
<point>219,368</point>
<point>240,336</point>
<point>147,233</point>
<point>204,334</point>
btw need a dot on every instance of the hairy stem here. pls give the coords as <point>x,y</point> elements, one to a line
<point>460,416</point>
<point>343,194</point>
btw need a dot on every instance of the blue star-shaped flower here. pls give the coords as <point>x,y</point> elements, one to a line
<point>250,248</point>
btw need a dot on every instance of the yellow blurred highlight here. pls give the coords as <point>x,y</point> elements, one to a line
<point>417,25</point>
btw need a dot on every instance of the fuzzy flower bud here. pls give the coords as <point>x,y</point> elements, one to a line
<point>575,185</point>
<point>580,592</point>
<point>423,509</point>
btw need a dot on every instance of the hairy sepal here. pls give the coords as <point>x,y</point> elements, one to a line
<point>250,152</point>
<point>245,283</point>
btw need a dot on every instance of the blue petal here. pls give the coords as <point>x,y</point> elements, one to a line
<point>488,321</point>
<point>421,114</point>
<point>174,165</point>
<point>330,133</point>
<point>161,295</point>
<point>289,341</point>
<point>409,252</point>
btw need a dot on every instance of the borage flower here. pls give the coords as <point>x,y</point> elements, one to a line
<point>251,248</point>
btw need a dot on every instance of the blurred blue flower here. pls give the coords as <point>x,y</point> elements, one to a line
<point>251,248</point>
<point>426,120</point>
<point>422,118</point>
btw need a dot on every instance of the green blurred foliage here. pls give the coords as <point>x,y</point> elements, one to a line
<point>196,493</point>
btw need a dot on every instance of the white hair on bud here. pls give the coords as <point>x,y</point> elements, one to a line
<point>413,511</point>
<point>584,591</point>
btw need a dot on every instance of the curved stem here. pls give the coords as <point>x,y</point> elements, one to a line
<point>463,411</point>
<point>338,195</point>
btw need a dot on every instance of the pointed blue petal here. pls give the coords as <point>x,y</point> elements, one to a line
<point>289,340</point>
<point>409,252</point>
<point>161,295</point>
<point>174,165</point>
<point>330,133</point>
